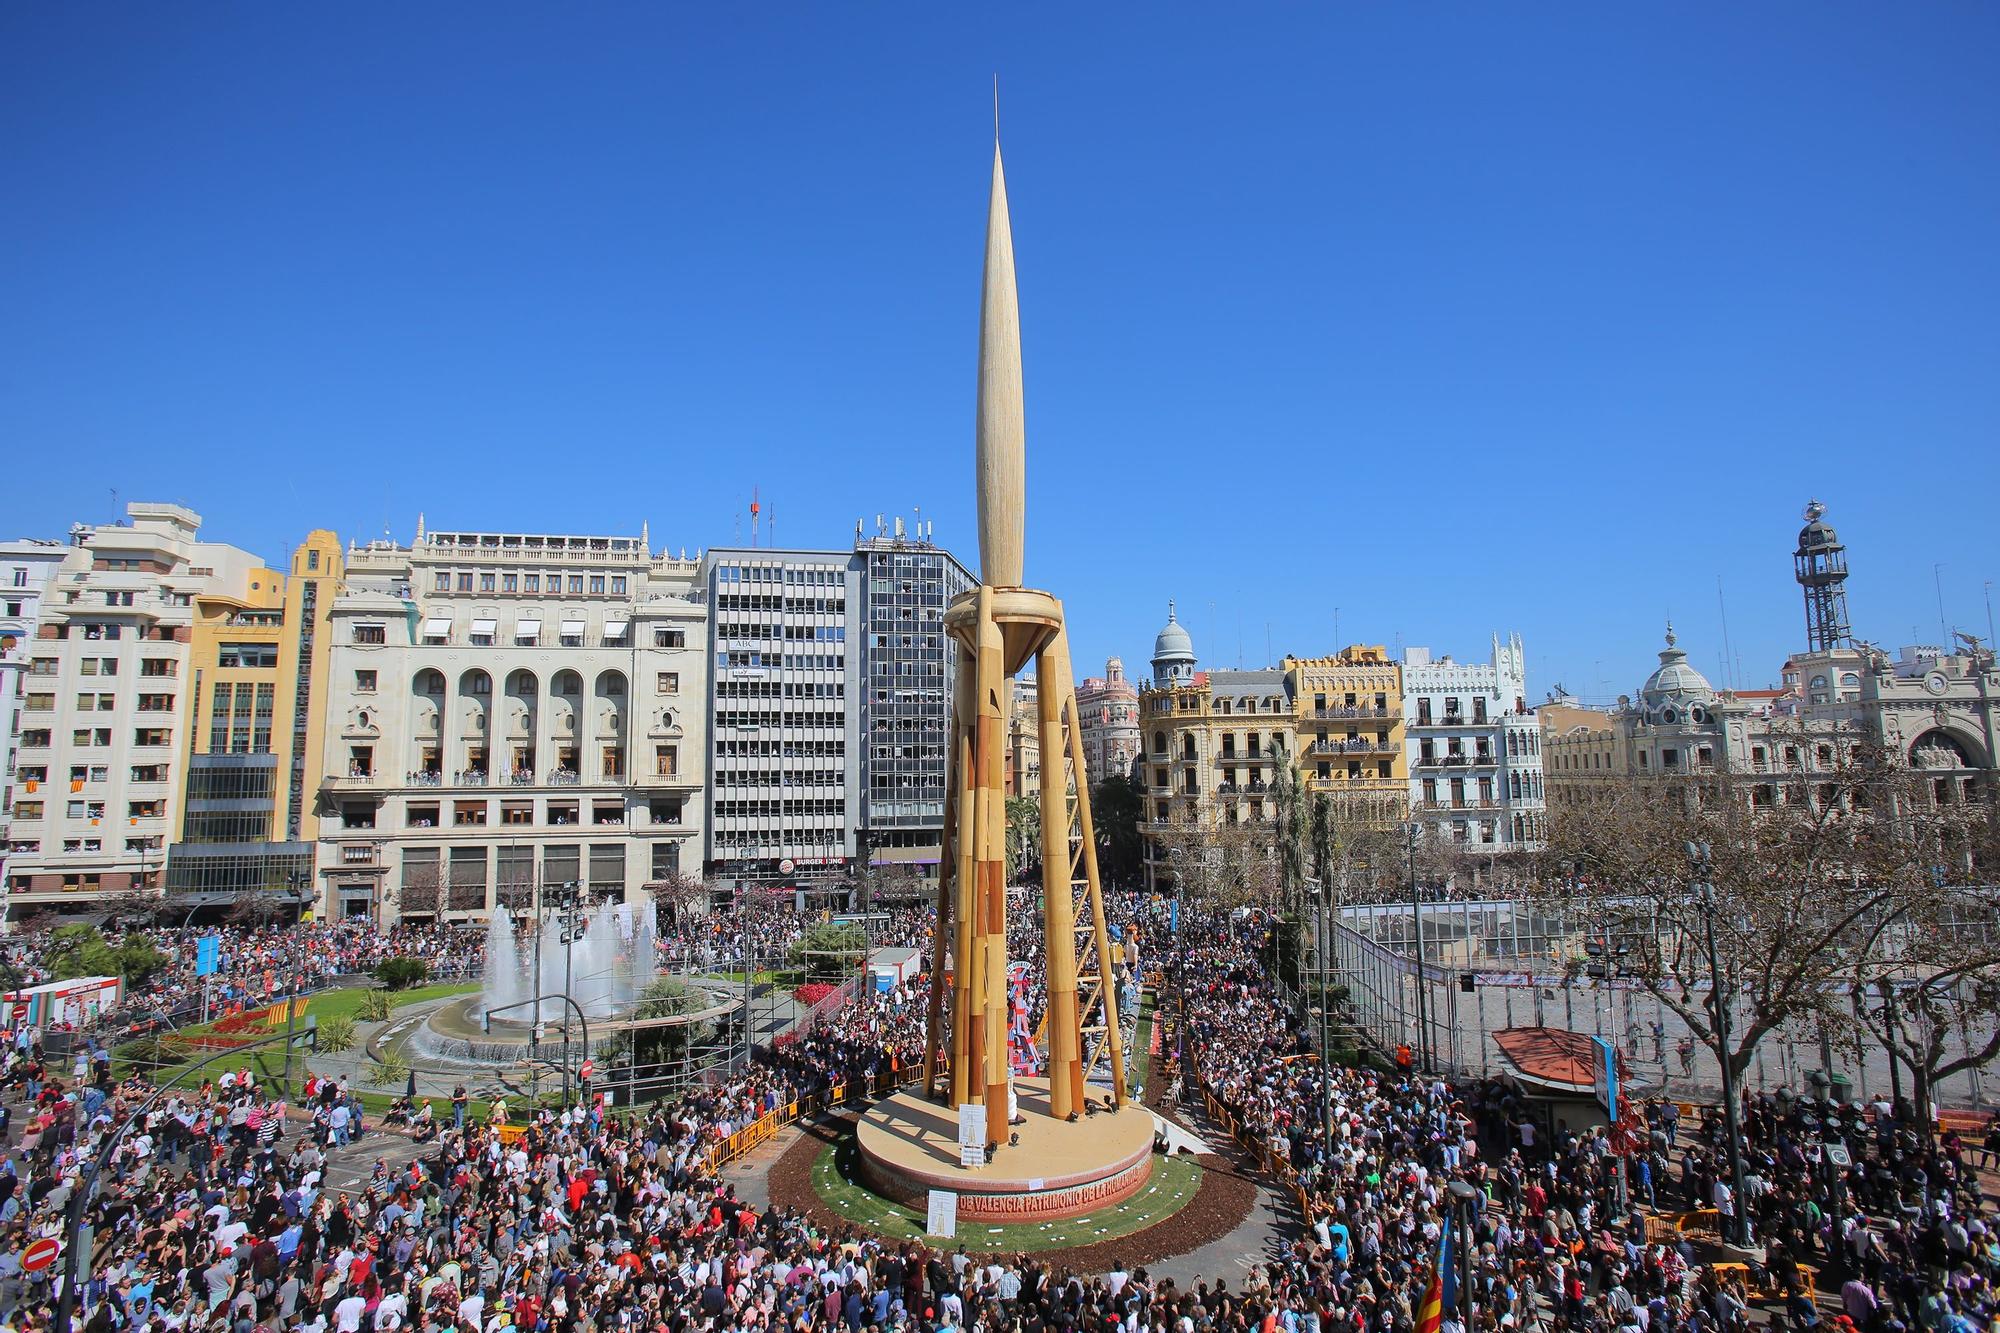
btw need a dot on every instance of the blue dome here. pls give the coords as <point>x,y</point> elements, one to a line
<point>1173,644</point>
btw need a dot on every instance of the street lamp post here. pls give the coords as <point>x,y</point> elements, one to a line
<point>1417,931</point>
<point>1701,864</point>
<point>300,884</point>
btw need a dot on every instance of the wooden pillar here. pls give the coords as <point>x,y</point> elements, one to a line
<point>992,871</point>
<point>1114,1041</point>
<point>965,788</point>
<point>1052,673</point>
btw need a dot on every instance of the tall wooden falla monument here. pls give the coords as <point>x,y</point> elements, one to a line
<point>997,629</point>
<point>1068,1151</point>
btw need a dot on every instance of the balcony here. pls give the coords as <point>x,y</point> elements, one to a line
<point>1468,806</point>
<point>1456,761</point>
<point>1353,710</point>
<point>1359,745</point>
<point>354,777</point>
<point>1451,720</point>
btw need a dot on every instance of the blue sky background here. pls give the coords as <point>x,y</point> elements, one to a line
<point>1454,318</point>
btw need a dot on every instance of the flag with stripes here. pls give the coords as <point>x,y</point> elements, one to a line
<point>1443,1289</point>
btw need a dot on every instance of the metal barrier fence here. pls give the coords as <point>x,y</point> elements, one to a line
<point>1493,964</point>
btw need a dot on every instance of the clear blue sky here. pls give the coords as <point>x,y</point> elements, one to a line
<point>1456,318</point>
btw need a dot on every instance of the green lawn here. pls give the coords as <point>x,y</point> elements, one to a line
<point>270,1060</point>
<point>1173,1186</point>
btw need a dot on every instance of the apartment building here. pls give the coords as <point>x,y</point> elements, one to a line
<point>1023,768</point>
<point>828,714</point>
<point>1350,733</point>
<point>103,743</point>
<point>505,711</point>
<point>1108,709</point>
<point>257,666</point>
<point>25,570</point>
<point>1474,749</point>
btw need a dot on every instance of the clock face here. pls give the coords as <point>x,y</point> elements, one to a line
<point>1936,683</point>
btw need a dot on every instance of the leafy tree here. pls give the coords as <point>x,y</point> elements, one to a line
<point>1322,836</point>
<point>402,972</point>
<point>668,997</point>
<point>1288,801</point>
<point>82,951</point>
<point>1024,837</point>
<point>1117,807</point>
<point>830,950</point>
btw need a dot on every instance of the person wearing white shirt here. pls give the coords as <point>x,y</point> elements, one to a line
<point>347,1314</point>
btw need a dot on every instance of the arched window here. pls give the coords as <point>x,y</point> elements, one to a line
<point>1159,742</point>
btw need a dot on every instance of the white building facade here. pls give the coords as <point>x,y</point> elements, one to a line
<point>1474,749</point>
<point>98,765</point>
<point>506,712</point>
<point>25,570</point>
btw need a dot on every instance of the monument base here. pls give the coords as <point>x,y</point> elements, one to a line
<point>909,1147</point>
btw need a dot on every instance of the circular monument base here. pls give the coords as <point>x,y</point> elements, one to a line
<point>909,1147</point>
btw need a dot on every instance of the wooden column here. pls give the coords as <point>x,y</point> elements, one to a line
<point>1052,673</point>
<point>992,870</point>
<point>964,923</point>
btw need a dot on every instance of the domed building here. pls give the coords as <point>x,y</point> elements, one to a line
<point>1173,654</point>
<point>1675,726</point>
<point>1108,707</point>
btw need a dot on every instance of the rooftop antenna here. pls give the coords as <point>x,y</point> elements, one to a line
<point>1727,654</point>
<point>755,509</point>
<point>1336,629</point>
<point>114,504</point>
<point>771,528</point>
<point>1937,578</point>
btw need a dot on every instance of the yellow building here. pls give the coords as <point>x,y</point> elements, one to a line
<point>257,680</point>
<point>1211,739</point>
<point>1349,723</point>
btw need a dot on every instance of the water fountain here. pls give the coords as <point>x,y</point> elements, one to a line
<point>610,961</point>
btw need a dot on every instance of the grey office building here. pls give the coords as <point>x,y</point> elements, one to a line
<point>828,695</point>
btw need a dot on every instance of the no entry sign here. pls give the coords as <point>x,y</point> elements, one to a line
<point>41,1254</point>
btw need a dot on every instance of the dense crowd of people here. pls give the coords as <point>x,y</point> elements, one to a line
<point>213,1211</point>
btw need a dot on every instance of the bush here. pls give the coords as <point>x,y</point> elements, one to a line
<point>812,993</point>
<point>401,973</point>
<point>336,1033</point>
<point>375,1006</point>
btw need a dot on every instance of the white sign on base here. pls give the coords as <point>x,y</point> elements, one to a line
<point>942,1219</point>
<point>972,1134</point>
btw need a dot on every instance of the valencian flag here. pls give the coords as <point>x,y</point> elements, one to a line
<point>1443,1290</point>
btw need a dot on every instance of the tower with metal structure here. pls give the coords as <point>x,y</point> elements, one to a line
<point>1820,566</point>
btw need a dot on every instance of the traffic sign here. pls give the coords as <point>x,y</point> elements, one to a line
<point>41,1254</point>
<point>587,1070</point>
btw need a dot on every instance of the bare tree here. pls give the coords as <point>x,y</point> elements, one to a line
<point>1804,864</point>
<point>421,891</point>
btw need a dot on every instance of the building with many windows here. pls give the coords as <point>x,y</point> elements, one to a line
<point>1474,749</point>
<point>1108,708</point>
<point>908,669</point>
<point>1024,739</point>
<point>256,710</point>
<point>1350,733</point>
<point>507,711</point>
<point>103,743</point>
<point>25,569</point>
<point>828,711</point>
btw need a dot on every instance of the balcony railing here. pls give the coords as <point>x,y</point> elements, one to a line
<point>1469,806</point>
<point>1457,761</point>
<point>1359,745</point>
<point>1352,710</point>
